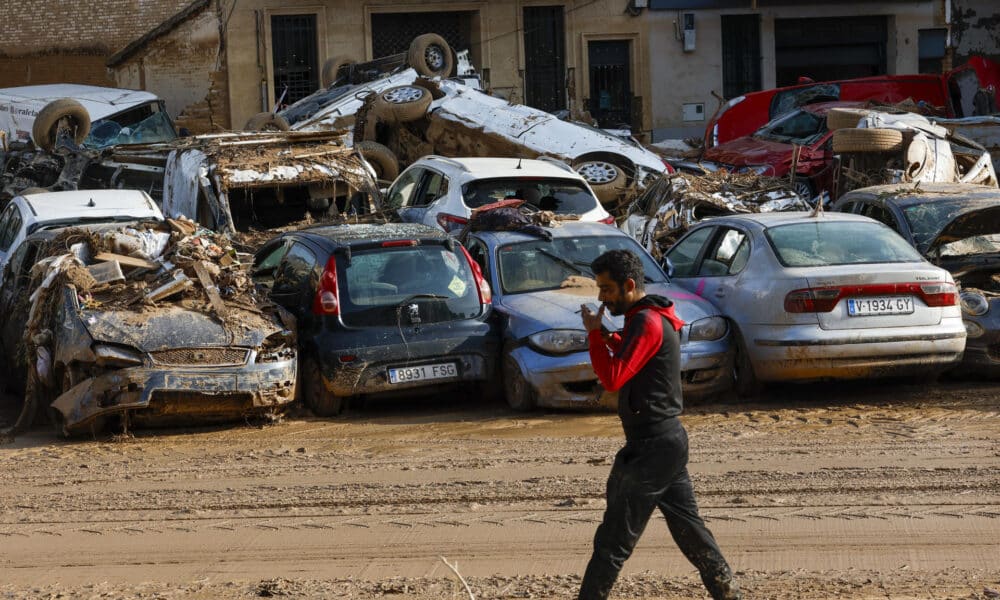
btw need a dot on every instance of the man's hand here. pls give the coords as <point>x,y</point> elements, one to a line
<point>591,320</point>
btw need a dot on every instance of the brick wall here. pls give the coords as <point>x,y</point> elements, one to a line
<point>48,41</point>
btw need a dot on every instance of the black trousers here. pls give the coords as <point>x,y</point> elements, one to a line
<point>649,474</point>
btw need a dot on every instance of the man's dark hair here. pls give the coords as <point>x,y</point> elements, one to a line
<point>621,265</point>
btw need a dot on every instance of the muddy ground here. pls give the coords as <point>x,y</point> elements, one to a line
<point>818,492</point>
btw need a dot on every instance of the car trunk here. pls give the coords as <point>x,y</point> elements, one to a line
<point>877,289</point>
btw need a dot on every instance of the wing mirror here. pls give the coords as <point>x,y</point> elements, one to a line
<point>668,266</point>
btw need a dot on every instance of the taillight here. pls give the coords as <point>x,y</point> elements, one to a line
<point>327,300</point>
<point>609,220</point>
<point>485,293</point>
<point>936,294</point>
<point>451,222</point>
<point>812,300</point>
<point>939,294</point>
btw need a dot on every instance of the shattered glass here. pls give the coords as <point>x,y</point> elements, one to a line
<point>109,132</point>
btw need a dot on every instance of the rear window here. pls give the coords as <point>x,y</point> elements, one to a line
<point>819,243</point>
<point>564,196</point>
<point>406,286</point>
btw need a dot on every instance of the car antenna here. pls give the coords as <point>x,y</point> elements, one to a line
<point>91,204</point>
<point>518,163</point>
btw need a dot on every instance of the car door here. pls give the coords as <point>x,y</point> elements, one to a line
<point>432,199</point>
<point>685,256</point>
<point>296,279</point>
<point>401,195</point>
<point>726,254</point>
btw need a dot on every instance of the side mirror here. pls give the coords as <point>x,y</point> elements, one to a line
<point>668,266</point>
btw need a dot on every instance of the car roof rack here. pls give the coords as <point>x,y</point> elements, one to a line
<point>447,160</point>
<point>557,162</point>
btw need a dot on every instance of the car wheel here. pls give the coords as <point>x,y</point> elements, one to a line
<point>605,178</point>
<point>803,187</point>
<point>745,382</point>
<point>404,103</point>
<point>314,392</point>
<point>867,140</point>
<point>430,55</point>
<point>382,159</point>
<point>267,121</point>
<point>46,125</point>
<point>328,76</point>
<point>516,388</point>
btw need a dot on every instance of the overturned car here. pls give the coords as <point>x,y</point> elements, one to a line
<point>147,324</point>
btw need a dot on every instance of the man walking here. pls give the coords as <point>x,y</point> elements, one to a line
<point>643,365</point>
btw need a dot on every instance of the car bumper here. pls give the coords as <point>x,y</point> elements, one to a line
<point>356,370</point>
<point>982,353</point>
<point>808,352</point>
<point>152,393</point>
<point>568,381</point>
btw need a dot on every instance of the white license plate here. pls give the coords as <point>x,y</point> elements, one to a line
<point>423,373</point>
<point>880,305</point>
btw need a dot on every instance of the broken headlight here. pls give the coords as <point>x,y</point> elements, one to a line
<point>559,341</point>
<point>706,330</point>
<point>974,303</point>
<point>116,356</point>
<point>277,347</point>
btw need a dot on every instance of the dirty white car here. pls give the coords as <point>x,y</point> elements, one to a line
<point>443,192</point>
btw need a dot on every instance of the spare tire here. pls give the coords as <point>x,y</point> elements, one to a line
<point>381,158</point>
<point>331,67</point>
<point>430,55</point>
<point>605,178</point>
<point>845,118</point>
<point>867,140</point>
<point>267,121</point>
<point>46,126</point>
<point>403,103</point>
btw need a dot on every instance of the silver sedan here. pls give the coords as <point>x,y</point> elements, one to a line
<point>833,296</point>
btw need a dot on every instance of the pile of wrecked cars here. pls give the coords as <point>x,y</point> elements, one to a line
<point>137,318</point>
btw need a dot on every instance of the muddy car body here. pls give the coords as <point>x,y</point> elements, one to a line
<point>383,310</point>
<point>545,360</point>
<point>821,296</point>
<point>92,354</point>
<point>957,227</point>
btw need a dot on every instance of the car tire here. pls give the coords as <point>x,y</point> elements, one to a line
<point>605,178</point>
<point>267,121</point>
<point>430,55</point>
<point>314,393</point>
<point>845,118</point>
<point>381,158</point>
<point>804,188</point>
<point>43,131</point>
<point>867,140</point>
<point>516,389</point>
<point>745,382</point>
<point>328,75</point>
<point>403,103</point>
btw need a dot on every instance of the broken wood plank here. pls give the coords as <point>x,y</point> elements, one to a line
<point>178,284</point>
<point>182,227</point>
<point>128,261</point>
<point>210,289</point>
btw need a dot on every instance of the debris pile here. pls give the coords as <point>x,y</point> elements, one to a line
<point>678,200</point>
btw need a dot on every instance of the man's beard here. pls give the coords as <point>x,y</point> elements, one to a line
<point>616,309</point>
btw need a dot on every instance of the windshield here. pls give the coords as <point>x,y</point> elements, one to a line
<point>564,262</point>
<point>822,243</point>
<point>406,286</point>
<point>797,127</point>
<point>146,124</point>
<point>563,196</point>
<point>927,220</point>
<point>787,100</point>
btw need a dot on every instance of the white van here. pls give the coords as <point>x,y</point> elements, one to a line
<point>30,212</point>
<point>100,116</point>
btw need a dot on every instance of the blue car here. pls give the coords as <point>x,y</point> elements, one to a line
<point>382,310</point>
<point>538,287</point>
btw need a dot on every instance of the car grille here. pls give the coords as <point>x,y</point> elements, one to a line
<point>204,357</point>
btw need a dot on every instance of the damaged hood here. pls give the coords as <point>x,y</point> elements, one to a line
<point>174,327</point>
<point>533,312</point>
<point>747,151</point>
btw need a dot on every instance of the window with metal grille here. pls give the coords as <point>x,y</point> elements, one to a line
<point>544,57</point>
<point>296,72</point>
<point>740,54</point>
<point>610,83</point>
<point>393,32</point>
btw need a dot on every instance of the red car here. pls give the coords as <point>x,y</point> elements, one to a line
<point>952,94</point>
<point>769,150</point>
